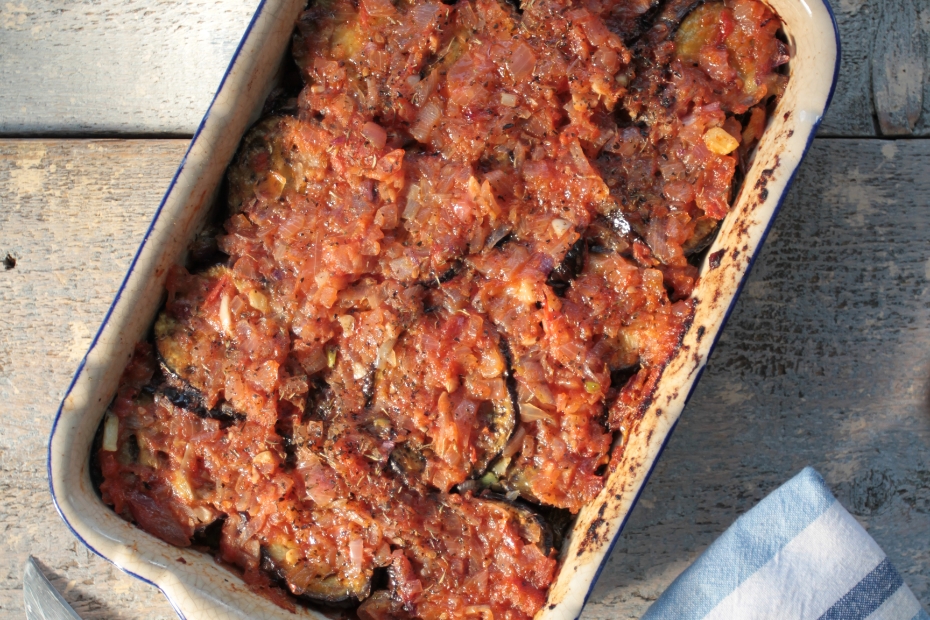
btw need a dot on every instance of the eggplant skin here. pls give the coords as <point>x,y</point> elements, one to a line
<point>561,277</point>
<point>499,421</point>
<point>177,388</point>
<point>533,526</point>
<point>329,590</point>
<point>185,396</point>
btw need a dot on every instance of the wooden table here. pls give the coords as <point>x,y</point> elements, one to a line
<point>825,362</point>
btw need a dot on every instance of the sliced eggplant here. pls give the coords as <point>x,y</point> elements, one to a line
<point>268,163</point>
<point>533,527</point>
<point>333,590</point>
<point>182,395</point>
<point>182,343</point>
<point>498,420</point>
<point>705,231</point>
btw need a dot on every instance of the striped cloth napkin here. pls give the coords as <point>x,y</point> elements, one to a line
<point>798,555</point>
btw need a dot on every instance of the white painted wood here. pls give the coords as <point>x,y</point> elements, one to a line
<point>114,66</point>
<point>137,67</point>
<point>826,361</point>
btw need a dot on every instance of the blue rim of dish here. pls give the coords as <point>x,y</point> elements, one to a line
<point>119,293</point>
<point>726,317</point>
<point>235,58</point>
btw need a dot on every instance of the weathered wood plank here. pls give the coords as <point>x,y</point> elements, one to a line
<point>826,361</point>
<point>116,66</point>
<point>128,66</point>
<point>853,112</point>
<point>898,68</point>
<point>71,214</point>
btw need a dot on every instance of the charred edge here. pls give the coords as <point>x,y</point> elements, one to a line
<point>319,405</point>
<point>701,241</point>
<point>560,520</point>
<point>284,427</point>
<point>278,577</point>
<point>208,537</point>
<point>715,258</point>
<point>649,398</point>
<point>282,101</point>
<point>593,536</point>
<point>700,333</point>
<point>407,463</point>
<point>511,380</point>
<point>504,241</point>
<point>643,23</point>
<point>674,13</point>
<point>561,277</point>
<point>435,281</point>
<point>368,387</point>
<point>204,251</point>
<point>188,398</point>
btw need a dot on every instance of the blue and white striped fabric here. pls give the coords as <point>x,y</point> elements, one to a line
<point>798,555</point>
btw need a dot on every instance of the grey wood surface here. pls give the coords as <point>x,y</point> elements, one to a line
<point>116,67</point>
<point>826,361</point>
<point>71,215</point>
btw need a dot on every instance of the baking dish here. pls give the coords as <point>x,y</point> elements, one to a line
<point>199,588</point>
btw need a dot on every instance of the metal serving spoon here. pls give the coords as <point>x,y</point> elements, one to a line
<point>43,601</point>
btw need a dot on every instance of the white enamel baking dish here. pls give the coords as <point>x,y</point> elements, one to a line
<point>197,587</point>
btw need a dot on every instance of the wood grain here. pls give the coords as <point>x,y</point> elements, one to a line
<point>136,67</point>
<point>826,361</point>
<point>114,66</point>
<point>898,68</point>
<point>72,215</point>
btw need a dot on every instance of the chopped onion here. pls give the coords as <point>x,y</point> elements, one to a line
<point>258,301</point>
<point>532,413</point>
<point>522,62</point>
<point>496,235</point>
<point>469,485</point>
<point>719,141</point>
<point>110,433</point>
<point>356,554</point>
<point>560,226</point>
<point>509,100</point>
<point>384,352</point>
<point>358,371</point>
<point>182,487</point>
<point>347,321</point>
<point>225,317</point>
<point>426,121</point>
<point>375,134</point>
<point>480,610</point>
<point>413,202</point>
<point>423,14</point>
